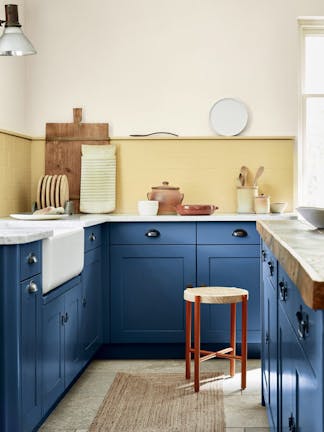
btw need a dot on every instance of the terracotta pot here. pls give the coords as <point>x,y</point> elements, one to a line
<point>168,196</point>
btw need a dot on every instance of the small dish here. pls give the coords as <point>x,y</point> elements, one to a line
<point>278,207</point>
<point>195,209</point>
<point>148,207</point>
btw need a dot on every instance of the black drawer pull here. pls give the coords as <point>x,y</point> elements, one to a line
<point>271,268</point>
<point>303,323</point>
<point>239,233</point>
<point>92,237</point>
<point>283,290</point>
<point>264,255</point>
<point>32,258</point>
<point>152,233</point>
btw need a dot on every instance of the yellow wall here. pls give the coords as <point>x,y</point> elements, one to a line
<point>204,168</point>
<point>15,173</point>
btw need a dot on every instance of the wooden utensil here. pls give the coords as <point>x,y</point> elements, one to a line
<point>244,172</point>
<point>48,190</point>
<point>52,192</point>
<point>258,175</point>
<point>43,192</point>
<point>39,193</point>
<point>57,191</point>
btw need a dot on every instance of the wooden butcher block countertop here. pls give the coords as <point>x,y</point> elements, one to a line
<point>299,248</point>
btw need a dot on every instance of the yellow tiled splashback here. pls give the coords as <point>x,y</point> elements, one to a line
<point>204,168</point>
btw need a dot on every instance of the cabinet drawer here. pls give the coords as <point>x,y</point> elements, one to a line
<point>92,237</point>
<point>306,322</point>
<point>153,233</point>
<point>269,264</point>
<point>227,233</point>
<point>30,259</point>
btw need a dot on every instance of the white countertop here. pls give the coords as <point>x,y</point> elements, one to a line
<point>13,231</point>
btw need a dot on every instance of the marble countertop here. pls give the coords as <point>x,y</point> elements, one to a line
<point>13,231</point>
<point>299,248</point>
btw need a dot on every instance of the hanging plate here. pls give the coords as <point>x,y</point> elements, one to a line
<point>228,117</point>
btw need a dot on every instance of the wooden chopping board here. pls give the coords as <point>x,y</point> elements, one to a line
<point>63,149</point>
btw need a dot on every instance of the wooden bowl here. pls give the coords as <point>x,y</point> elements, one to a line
<point>195,209</point>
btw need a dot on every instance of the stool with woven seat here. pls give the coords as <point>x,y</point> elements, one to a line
<point>215,295</point>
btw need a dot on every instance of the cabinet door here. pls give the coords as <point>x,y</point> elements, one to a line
<point>147,284</point>
<point>231,266</point>
<point>53,351</point>
<point>269,352</point>
<point>300,391</point>
<point>31,291</point>
<point>72,345</point>
<point>91,316</point>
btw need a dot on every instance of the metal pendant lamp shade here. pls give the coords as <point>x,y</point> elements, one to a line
<point>13,42</point>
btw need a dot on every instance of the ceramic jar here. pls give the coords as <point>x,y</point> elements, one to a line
<point>245,198</point>
<point>262,204</point>
<point>168,196</point>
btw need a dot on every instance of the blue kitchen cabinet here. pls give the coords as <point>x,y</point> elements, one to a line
<point>151,264</point>
<point>20,358</point>
<point>270,352</point>
<point>228,255</point>
<point>299,389</point>
<point>269,341</point>
<point>292,353</point>
<point>61,346</point>
<point>92,292</point>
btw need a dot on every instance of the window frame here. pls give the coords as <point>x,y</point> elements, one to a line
<point>307,26</point>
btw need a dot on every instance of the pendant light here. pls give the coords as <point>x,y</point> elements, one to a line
<point>13,42</point>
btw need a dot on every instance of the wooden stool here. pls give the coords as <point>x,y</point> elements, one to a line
<point>216,295</point>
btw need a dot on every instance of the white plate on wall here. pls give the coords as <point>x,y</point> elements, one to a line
<point>27,216</point>
<point>228,117</point>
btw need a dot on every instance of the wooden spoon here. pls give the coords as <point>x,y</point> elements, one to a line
<point>257,175</point>
<point>244,172</point>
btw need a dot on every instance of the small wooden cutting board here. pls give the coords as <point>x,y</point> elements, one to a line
<point>63,149</point>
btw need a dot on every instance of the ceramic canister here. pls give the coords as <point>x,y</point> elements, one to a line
<point>262,204</point>
<point>245,198</point>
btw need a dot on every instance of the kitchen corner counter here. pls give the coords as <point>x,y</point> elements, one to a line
<point>299,248</point>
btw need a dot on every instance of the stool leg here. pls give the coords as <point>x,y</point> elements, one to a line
<point>197,342</point>
<point>188,338</point>
<point>244,342</point>
<point>233,338</point>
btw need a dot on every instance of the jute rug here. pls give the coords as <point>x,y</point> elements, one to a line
<point>161,403</point>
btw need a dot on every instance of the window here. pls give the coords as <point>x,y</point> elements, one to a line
<point>311,135</point>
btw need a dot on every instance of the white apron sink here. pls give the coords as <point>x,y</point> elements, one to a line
<point>63,257</point>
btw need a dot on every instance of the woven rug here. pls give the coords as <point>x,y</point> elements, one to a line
<point>161,403</point>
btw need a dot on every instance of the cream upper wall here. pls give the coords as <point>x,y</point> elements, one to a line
<point>150,65</point>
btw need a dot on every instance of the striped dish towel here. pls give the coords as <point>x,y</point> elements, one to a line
<point>98,179</point>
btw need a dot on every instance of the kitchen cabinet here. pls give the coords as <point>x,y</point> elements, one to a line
<point>61,346</point>
<point>292,353</point>
<point>269,343</point>
<point>92,293</point>
<point>228,255</point>
<point>151,264</point>
<point>20,358</point>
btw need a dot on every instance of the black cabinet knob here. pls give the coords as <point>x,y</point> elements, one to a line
<point>152,233</point>
<point>239,233</point>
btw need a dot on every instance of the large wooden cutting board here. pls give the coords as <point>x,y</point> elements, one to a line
<point>63,149</point>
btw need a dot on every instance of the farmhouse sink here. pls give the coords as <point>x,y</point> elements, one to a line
<point>63,257</point>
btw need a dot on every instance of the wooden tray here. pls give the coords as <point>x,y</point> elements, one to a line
<point>63,149</point>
